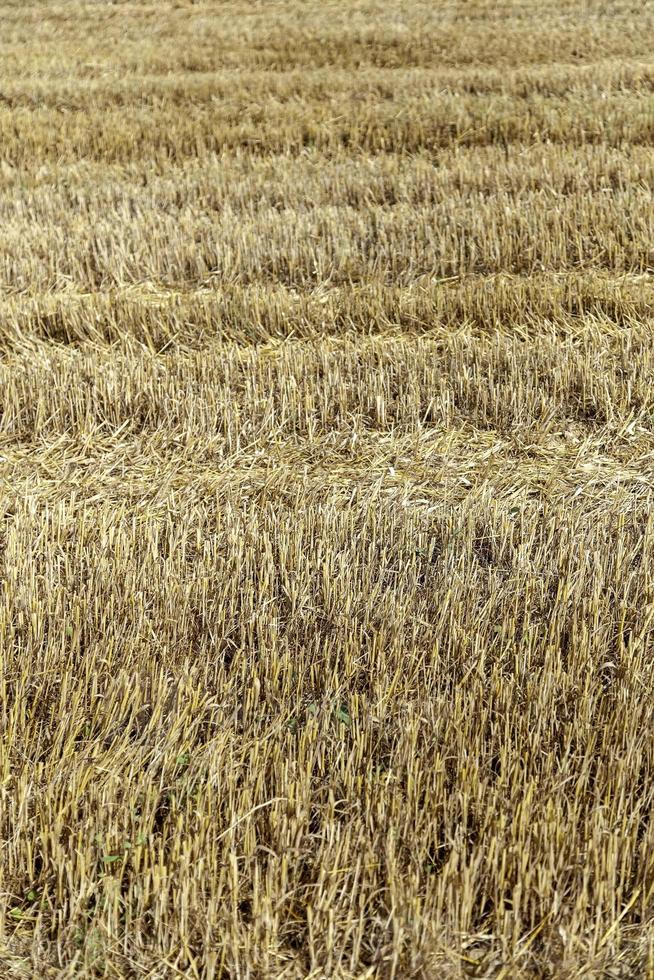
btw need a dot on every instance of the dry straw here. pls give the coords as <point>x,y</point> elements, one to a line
<point>326,481</point>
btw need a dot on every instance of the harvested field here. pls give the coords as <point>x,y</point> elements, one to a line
<point>326,485</point>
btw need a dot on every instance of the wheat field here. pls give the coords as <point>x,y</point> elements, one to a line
<point>326,484</point>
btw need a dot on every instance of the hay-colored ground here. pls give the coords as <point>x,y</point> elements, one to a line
<point>326,483</point>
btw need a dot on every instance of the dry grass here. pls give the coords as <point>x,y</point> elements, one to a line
<point>326,482</point>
